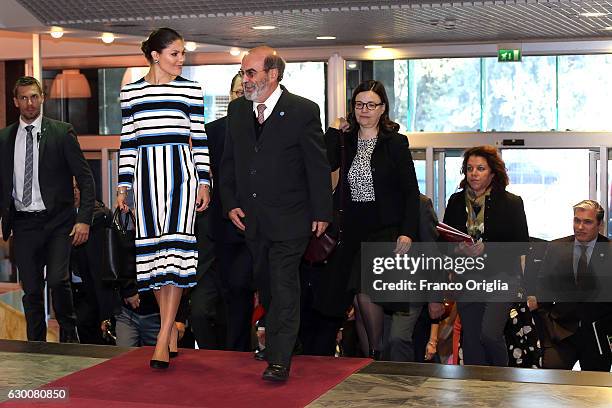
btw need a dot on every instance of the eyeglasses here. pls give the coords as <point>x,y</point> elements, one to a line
<point>370,105</point>
<point>238,92</point>
<point>250,73</point>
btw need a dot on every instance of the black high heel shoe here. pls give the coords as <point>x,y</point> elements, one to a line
<point>173,353</point>
<point>158,364</point>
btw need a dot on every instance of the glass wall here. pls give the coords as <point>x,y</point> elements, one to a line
<point>540,93</point>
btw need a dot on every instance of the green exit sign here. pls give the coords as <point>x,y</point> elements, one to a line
<point>508,55</point>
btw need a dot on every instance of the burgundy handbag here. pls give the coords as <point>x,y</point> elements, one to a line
<point>320,248</point>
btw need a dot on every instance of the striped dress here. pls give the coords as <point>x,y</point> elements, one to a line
<point>157,162</point>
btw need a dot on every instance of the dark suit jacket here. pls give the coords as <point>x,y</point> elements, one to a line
<point>221,229</point>
<point>395,183</point>
<point>281,180</point>
<point>562,318</point>
<point>60,158</point>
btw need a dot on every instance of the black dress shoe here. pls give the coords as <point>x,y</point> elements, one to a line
<point>276,372</point>
<point>260,354</point>
<point>158,364</point>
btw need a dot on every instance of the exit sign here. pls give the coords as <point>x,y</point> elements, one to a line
<point>508,55</point>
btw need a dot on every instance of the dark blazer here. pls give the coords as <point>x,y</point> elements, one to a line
<point>562,318</point>
<point>282,179</point>
<point>504,217</point>
<point>221,229</point>
<point>60,158</point>
<point>393,175</point>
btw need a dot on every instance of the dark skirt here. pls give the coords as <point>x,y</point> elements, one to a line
<point>341,276</point>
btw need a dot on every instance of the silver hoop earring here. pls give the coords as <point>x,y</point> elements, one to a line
<point>156,61</point>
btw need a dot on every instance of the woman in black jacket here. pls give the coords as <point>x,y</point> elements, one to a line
<point>488,213</point>
<point>381,201</point>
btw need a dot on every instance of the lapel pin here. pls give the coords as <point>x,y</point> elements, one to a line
<point>282,113</point>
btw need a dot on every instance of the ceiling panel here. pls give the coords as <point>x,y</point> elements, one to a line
<point>352,22</point>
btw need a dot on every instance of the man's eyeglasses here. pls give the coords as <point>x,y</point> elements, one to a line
<point>250,73</point>
<point>370,105</point>
<point>238,92</point>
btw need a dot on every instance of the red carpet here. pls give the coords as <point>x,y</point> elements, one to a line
<point>201,378</point>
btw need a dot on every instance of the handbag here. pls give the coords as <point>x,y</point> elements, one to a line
<point>120,248</point>
<point>320,248</point>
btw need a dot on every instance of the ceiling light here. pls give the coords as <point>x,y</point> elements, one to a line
<point>191,46</point>
<point>352,65</point>
<point>108,38</point>
<point>264,27</point>
<point>234,52</point>
<point>56,32</point>
<point>373,47</point>
<point>326,37</point>
<point>609,28</point>
<point>593,14</point>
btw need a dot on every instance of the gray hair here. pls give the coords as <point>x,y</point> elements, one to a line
<point>591,205</point>
<point>274,61</point>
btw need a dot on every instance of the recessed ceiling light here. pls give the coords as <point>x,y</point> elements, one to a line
<point>190,46</point>
<point>264,27</point>
<point>593,14</point>
<point>352,65</point>
<point>373,47</point>
<point>326,37</point>
<point>56,32</point>
<point>234,52</point>
<point>108,38</point>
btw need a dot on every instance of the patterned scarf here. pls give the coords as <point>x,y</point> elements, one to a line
<point>475,212</point>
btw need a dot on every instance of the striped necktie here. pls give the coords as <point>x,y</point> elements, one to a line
<point>260,113</point>
<point>29,167</point>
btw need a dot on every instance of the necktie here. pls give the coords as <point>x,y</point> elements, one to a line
<point>581,270</point>
<point>260,113</point>
<point>29,167</point>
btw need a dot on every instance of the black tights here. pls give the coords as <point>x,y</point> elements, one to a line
<point>369,319</point>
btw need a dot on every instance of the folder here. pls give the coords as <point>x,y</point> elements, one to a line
<point>450,234</point>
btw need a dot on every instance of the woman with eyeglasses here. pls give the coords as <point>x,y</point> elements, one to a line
<point>381,203</point>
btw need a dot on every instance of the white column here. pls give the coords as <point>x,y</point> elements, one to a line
<point>36,57</point>
<point>603,186</point>
<point>336,87</point>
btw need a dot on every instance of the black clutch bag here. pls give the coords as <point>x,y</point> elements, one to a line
<point>120,248</point>
<point>321,248</point>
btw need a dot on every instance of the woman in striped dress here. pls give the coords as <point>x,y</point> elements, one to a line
<point>162,115</point>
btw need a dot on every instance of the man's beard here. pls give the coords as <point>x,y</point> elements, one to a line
<point>256,91</point>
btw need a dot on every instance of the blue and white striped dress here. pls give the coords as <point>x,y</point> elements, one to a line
<point>156,160</point>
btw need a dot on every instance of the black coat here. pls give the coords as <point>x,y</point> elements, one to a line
<point>60,158</point>
<point>504,217</point>
<point>221,229</point>
<point>281,180</point>
<point>393,175</point>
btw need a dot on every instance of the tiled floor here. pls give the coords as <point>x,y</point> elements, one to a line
<point>26,365</point>
<point>379,390</point>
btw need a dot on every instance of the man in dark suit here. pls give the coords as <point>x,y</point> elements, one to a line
<point>275,186</point>
<point>577,265</point>
<point>39,158</point>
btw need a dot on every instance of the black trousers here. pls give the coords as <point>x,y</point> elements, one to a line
<point>236,273</point>
<point>277,277</point>
<point>41,240</point>
<point>581,346</point>
<point>483,340</point>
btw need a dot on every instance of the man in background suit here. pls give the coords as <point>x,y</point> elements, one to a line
<point>565,327</point>
<point>275,186</point>
<point>39,157</point>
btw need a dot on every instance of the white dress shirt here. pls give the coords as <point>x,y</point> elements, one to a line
<point>19,167</point>
<point>270,102</point>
